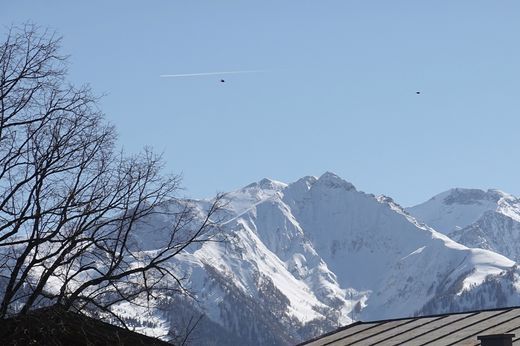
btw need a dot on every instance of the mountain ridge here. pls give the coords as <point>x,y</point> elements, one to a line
<point>292,261</point>
<point>333,253</point>
<point>476,218</point>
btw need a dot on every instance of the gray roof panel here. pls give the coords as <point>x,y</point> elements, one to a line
<point>449,329</point>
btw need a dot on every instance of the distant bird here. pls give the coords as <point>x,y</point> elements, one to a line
<point>222,81</point>
<point>418,92</point>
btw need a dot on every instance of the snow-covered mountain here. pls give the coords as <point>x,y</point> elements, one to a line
<point>293,261</point>
<point>300,259</point>
<point>476,218</point>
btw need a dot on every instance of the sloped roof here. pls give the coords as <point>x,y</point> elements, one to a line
<point>55,326</point>
<point>447,329</point>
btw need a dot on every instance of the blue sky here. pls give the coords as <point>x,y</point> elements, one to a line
<point>337,91</point>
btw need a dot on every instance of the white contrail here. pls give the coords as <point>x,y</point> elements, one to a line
<point>207,73</point>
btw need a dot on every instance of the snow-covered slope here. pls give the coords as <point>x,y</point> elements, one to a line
<point>302,258</point>
<point>295,260</point>
<point>476,218</point>
<point>457,208</point>
<point>492,231</point>
<point>372,245</point>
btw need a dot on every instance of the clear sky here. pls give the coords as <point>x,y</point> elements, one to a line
<point>337,91</point>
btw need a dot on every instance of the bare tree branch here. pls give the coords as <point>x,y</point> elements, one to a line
<point>70,203</point>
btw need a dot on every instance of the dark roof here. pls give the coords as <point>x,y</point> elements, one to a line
<point>448,329</point>
<point>55,326</point>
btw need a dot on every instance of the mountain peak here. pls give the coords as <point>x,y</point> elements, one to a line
<point>465,196</point>
<point>267,184</point>
<point>332,180</point>
<point>458,208</point>
<point>303,184</point>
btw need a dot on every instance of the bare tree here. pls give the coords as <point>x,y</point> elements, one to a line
<point>70,203</point>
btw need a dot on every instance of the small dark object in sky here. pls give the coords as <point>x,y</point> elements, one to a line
<point>418,92</point>
<point>222,81</point>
